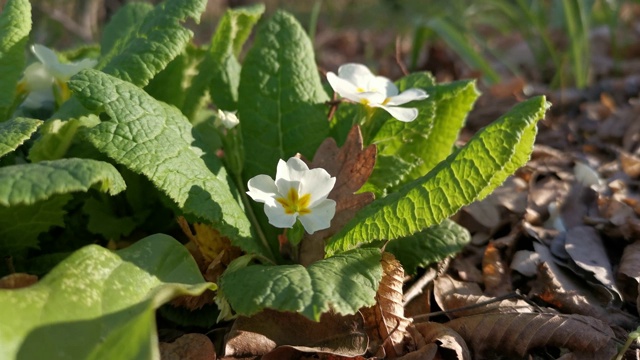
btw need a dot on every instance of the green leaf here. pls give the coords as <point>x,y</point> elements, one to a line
<point>57,136</point>
<point>21,224</point>
<point>465,176</point>
<point>98,304</point>
<point>29,183</point>
<point>220,70</point>
<point>429,245</point>
<point>146,50</point>
<point>126,20</point>
<point>15,24</point>
<point>103,220</point>
<point>14,132</point>
<point>155,139</point>
<point>407,151</point>
<point>166,86</point>
<point>280,97</point>
<point>343,283</point>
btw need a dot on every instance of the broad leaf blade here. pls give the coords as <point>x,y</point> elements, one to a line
<point>429,246</point>
<point>278,96</point>
<point>155,139</point>
<point>343,283</point>
<point>29,183</point>
<point>98,304</point>
<point>138,57</point>
<point>219,71</point>
<point>14,132</point>
<point>475,170</point>
<point>127,19</point>
<point>57,136</point>
<point>15,24</point>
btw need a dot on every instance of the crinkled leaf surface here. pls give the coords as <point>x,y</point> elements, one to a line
<point>219,71</point>
<point>147,49</point>
<point>154,139</point>
<point>127,19</point>
<point>15,131</point>
<point>98,304</point>
<point>410,150</point>
<point>430,245</point>
<point>279,97</point>
<point>15,24</point>
<point>30,183</point>
<point>343,283</point>
<point>465,176</point>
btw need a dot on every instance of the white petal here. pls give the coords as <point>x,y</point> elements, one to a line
<point>290,174</point>
<point>45,55</point>
<point>277,216</point>
<point>408,95</point>
<point>318,183</point>
<point>36,77</point>
<point>382,85</point>
<point>400,113</point>
<point>357,74</point>
<point>343,87</point>
<point>262,188</point>
<point>372,98</point>
<point>61,71</point>
<point>320,216</point>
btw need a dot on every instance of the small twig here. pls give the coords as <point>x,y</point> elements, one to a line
<point>67,22</point>
<point>333,103</point>
<point>418,287</point>
<point>403,68</point>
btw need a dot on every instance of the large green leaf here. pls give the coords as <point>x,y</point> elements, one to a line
<point>29,183</point>
<point>279,94</point>
<point>146,50</point>
<point>15,24</point>
<point>155,139</point>
<point>407,151</point>
<point>32,195</point>
<point>15,131</point>
<point>125,21</point>
<point>343,283</point>
<point>465,176</point>
<point>98,304</point>
<point>429,246</point>
<point>220,70</point>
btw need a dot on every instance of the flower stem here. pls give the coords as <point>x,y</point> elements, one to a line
<point>252,217</point>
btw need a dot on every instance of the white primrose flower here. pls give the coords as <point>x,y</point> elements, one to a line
<point>297,193</point>
<point>40,77</point>
<point>356,83</point>
<point>229,119</point>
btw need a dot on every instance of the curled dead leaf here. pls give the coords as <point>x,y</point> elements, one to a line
<point>385,321</point>
<point>431,333</point>
<point>17,281</point>
<point>518,334</point>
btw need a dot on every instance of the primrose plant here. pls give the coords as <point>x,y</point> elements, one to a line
<point>293,194</point>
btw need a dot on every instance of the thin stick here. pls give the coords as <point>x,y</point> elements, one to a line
<point>418,287</point>
<point>468,307</point>
<point>403,68</point>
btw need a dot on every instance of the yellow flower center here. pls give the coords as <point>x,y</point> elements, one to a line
<point>295,203</point>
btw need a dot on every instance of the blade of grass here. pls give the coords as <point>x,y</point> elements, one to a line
<point>461,45</point>
<point>577,23</point>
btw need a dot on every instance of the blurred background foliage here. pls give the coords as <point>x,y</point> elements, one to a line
<point>553,42</point>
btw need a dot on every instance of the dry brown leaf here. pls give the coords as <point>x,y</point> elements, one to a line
<point>262,333</point>
<point>17,281</point>
<point>385,321</point>
<point>431,333</point>
<point>549,289</point>
<point>518,334</point>
<point>188,347</point>
<point>495,272</point>
<point>630,164</point>
<point>351,165</point>
<point>451,294</point>
<point>581,201</point>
